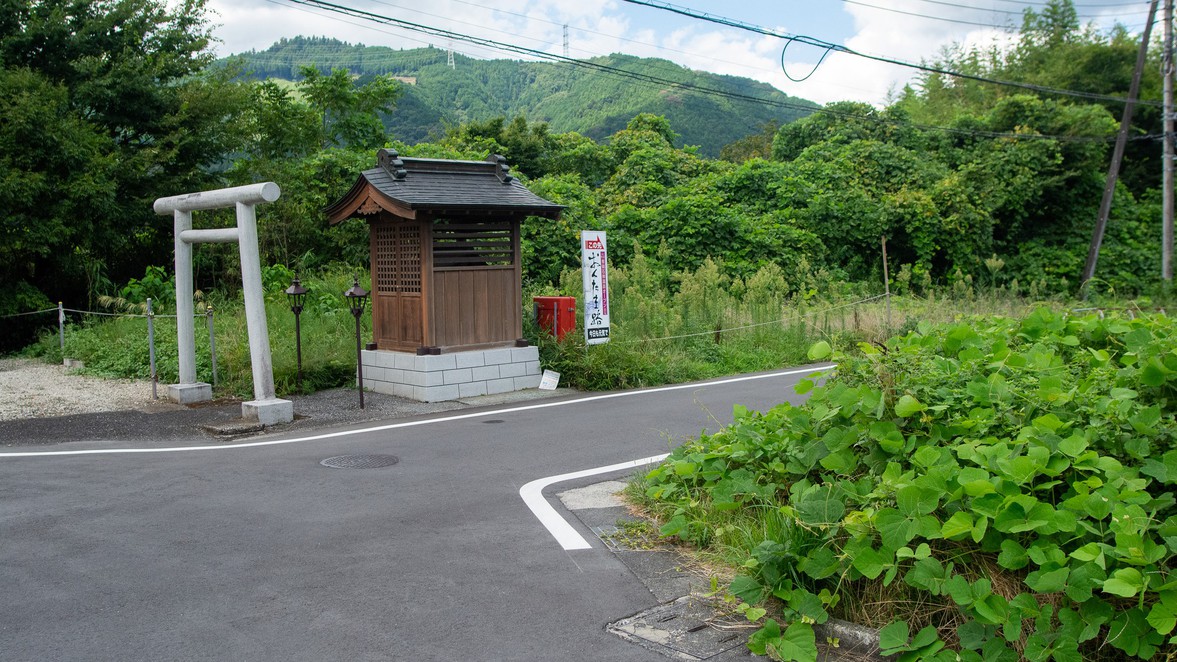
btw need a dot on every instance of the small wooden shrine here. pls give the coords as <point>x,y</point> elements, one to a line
<point>446,272</point>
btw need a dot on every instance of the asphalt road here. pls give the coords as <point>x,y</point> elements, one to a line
<point>262,553</point>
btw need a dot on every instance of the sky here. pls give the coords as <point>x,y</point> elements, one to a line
<point>907,30</point>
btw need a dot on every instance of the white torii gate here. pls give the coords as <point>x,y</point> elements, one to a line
<point>265,408</point>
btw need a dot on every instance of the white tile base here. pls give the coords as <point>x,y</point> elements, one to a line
<point>436,378</point>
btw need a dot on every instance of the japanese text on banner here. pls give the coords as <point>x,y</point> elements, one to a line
<point>596,287</point>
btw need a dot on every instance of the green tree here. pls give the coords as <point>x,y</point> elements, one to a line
<point>350,113</point>
<point>123,83</point>
<point>755,146</point>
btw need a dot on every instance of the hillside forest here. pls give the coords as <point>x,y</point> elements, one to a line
<point>109,104</point>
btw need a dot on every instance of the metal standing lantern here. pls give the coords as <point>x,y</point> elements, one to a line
<point>446,275</point>
<point>296,294</point>
<point>357,298</point>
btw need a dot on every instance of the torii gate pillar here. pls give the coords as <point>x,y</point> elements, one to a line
<point>265,408</point>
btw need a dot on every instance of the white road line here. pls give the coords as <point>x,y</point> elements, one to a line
<point>561,530</point>
<point>409,424</point>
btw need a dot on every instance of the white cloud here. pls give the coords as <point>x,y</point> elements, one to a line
<point>599,28</point>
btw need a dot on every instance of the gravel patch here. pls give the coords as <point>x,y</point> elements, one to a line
<point>33,389</point>
<point>41,403</point>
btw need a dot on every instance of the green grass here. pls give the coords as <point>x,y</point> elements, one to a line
<point>666,329</point>
<point>118,347</point>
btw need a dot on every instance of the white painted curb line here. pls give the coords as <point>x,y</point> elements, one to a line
<point>409,424</point>
<point>560,529</point>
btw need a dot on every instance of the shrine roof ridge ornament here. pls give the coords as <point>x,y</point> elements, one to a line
<point>404,185</point>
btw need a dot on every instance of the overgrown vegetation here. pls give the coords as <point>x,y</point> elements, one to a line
<point>990,489</point>
<point>119,347</point>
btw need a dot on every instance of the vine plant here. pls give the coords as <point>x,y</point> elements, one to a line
<point>1016,474</point>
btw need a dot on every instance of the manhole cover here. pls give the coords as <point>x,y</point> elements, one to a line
<point>680,630</point>
<point>360,461</point>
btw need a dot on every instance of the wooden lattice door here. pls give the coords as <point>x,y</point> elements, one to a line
<point>397,321</point>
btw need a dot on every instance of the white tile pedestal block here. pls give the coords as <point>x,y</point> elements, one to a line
<point>273,411</point>
<point>187,394</point>
<point>440,377</point>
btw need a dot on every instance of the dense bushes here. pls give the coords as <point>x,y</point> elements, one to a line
<point>1001,486</point>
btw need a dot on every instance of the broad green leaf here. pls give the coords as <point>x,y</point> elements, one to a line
<point>915,500</point>
<point>895,529</point>
<point>759,641</point>
<point>1123,394</point>
<point>959,525</point>
<point>820,563</point>
<point>819,350</point>
<point>808,606</point>
<point>747,589</point>
<point>1072,446</point>
<point>1125,582</point>
<point>1084,579</point>
<point>972,635</point>
<point>797,642</point>
<point>908,406</point>
<point>1052,581</point>
<point>674,526</point>
<point>888,435</point>
<point>992,609</point>
<point>1145,421</point>
<point>1153,373</point>
<point>1048,422</point>
<point>930,575</point>
<point>893,638</point>
<point>1163,615</point>
<point>870,563</point>
<point>819,505</point>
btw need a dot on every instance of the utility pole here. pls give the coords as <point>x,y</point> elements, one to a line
<point>1167,130</point>
<point>1105,205</point>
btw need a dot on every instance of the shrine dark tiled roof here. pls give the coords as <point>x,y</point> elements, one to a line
<point>441,184</point>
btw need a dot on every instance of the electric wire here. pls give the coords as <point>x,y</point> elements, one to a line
<point>819,43</point>
<point>660,81</point>
<point>960,21</point>
<point>1006,27</point>
<point>1022,13</point>
<point>584,30</point>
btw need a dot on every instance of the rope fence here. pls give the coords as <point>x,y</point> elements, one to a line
<point>32,312</point>
<point>150,316</point>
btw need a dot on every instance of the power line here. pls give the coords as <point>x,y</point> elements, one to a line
<point>1007,28</point>
<point>1076,5</point>
<point>1022,12</point>
<point>827,45</point>
<point>650,79</point>
<point>564,25</point>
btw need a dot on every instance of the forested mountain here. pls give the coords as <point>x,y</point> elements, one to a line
<point>568,98</point>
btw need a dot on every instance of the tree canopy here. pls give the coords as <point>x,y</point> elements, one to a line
<point>108,104</point>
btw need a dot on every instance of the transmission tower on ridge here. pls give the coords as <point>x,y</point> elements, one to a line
<point>449,60</point>
<point>565,40</point>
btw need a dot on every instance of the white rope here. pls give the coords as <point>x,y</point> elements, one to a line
<point>35,312</point>
<point>93,312</point>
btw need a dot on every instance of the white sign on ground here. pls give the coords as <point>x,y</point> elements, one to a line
<point>549,381</point>
<point>596,287</point>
